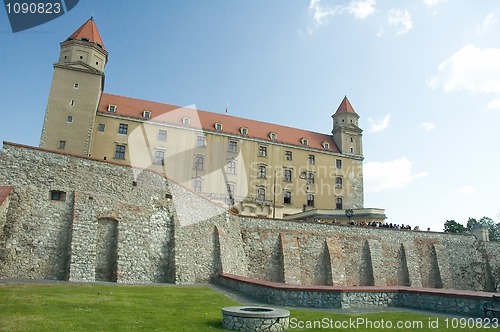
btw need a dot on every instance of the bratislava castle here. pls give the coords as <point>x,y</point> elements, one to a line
<point>253,168</point>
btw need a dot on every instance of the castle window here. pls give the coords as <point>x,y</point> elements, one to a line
<point>112,108</point>
<point>310,200</point>
<point>162,135</point>
<point>288,175</point>
<point>57,195</point>
<point>261,172</point>
<point>186,121</point>
<point>197,185</point>
<point>200,141</point>
<point>233,146</point>
<point>76,85</point>
<point>218,126</point>
<point>338,203</point>
<point>231,188</point>
<point>262,151</point>
<point>146,114</point>
<point>72,102</point>
<point>338,182</point>
<point>231,167</point>
<point>61,145</point>
<point>352,139</point>
<point>304,141</point>
<point>244,130</point>
<point>273,136</point>
<point>123,129</point>
<point>287,197</point>
<point>101,127</point>
<point>352,150</point>
<point>310,178</point>
<point>159,158</point>
<point>338,163</point>
<point>70,119</point>
<point>288,155</point>
<point>120,152</point>
<point>326,145</point>
<point>261,194</point>
<point>198,163</point>
<point>311,160</point>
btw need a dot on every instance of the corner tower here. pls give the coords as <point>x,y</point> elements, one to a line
<point>346,133</point>
<point>76,89</point>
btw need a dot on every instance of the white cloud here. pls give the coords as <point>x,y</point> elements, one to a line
<point>379,125</point>
<point>466,190</point>
<point>393,174</point>
<point>321,12</point>
<point>432,3</point>
<point>489,21</point>
<point>400,19</point>
<point>361,9</point>
<point>428,125</point>
<point>470,69</point>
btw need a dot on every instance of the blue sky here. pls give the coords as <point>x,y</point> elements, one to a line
<point>424,76</point>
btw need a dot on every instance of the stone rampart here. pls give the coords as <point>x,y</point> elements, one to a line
<point>74,218</point>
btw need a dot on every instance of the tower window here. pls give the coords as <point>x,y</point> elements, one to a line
<point>198,163</point>
<point>352,139</point>
<point>123,129</point>
<point>262,172</point>
<point>338,203</point>
<point>338,182</point>
<point>70,119</point>
<point>261,194</point>
<point>101,127</point>
<point>76,85</point>
<point>197,184</point>
<point>288,175</point>
<point>287,197</point>
<point>288,155</point>
<point>61,145</point>
<point>231,167</point>
<point>112,108</point>
<point>162,135</point>
<point>120,152</point>
<point>159,158</point>
<point>72,102</point>
<point>200,141</point>
<point>310,200</point>
<point>310,178</point>
<point>352,150</point>
<point>338,163</point>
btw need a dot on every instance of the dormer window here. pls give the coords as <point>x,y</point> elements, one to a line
<point>244,130</point>
<point>146,114</point>
<point>304,141</point>
<point>218,126</point>
<point>112,108</point>
<point>326,145</point>
<point>273,136</point>
<point>186,121</point>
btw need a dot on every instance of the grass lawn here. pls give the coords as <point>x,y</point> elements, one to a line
<point>90,307</point>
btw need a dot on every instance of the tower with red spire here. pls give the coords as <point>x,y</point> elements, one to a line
<point>346,133</point>
<point>77,85</point>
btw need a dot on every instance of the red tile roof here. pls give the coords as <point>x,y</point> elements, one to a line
<point>172,114</point>
<point>4,193</point>
<point>345,107</point>
<point>88,31</point>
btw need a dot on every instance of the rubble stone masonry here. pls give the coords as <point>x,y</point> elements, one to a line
<point>81,219</point>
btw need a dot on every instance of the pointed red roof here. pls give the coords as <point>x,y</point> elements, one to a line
<point>88,32</point>
<point>345,107</point>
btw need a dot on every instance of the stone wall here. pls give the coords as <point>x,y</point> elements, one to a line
<point>122,224</point>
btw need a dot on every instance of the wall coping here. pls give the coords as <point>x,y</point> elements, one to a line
<point>362,289</point>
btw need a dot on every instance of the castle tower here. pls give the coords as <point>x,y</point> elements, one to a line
<point>346,133</point>
<point>75,92</point>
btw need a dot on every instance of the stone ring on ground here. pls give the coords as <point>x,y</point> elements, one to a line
<point>254,318</point>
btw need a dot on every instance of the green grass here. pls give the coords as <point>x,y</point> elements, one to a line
<point>70,307</point>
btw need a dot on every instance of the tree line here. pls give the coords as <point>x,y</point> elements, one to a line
<point>451,226</point>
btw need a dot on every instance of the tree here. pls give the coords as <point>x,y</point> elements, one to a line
<point>451,226</point>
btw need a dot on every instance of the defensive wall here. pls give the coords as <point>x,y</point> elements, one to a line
<point>82,219</point>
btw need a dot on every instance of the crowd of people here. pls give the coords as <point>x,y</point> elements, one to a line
<point>379,224</point>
